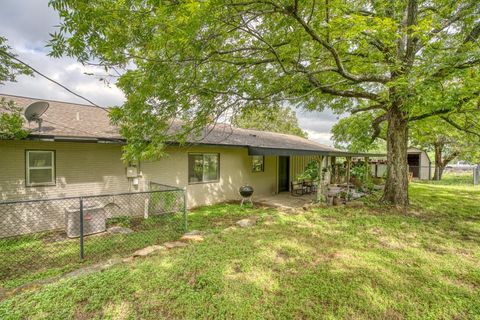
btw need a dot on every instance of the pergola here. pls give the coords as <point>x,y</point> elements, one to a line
<point>320,156</point>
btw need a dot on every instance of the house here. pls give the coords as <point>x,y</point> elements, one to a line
<point>419,164</point>
<point>78,152</point>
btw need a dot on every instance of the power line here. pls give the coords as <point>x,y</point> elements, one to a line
<point>51,80</point>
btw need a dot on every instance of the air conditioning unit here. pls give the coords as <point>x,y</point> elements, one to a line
<point>93,219</point>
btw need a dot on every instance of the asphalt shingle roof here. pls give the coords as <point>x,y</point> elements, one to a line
<point>76,121</point>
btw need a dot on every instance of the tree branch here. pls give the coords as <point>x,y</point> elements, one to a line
<point>376,125</point>
<point>334,53</point>
<point>372,107</point>
<point>459,127</point>
<point>342,93</point>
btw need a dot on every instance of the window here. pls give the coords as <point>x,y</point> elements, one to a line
<point>257,163</point>
<point>40,167</point>
<point>203,167</point>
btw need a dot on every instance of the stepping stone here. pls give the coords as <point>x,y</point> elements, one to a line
<point>245,223</point>
<point>175,244</point>
<point>232,228</point>
<point>147,250</point>
<point>119,230</point>
<point>192,237</point>
<point>127,259</point>
<point>195,233</point>
<point>355,204</point>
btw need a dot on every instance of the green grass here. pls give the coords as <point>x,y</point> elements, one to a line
<point>453,179</point>
<point>364,263</point>
<point>43,255</point>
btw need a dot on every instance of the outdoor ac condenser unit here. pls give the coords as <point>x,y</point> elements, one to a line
<point>93,219</point>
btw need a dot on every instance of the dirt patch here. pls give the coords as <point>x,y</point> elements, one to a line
<point>393,315</point>
<point>391,243</point>
<point>281,256</point>
<point>376,231</point>
<point>81,314</point>
<point>55,236</point>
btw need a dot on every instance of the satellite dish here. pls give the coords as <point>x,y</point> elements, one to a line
<point>34,112</point>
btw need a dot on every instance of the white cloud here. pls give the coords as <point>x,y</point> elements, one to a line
<point>26,25</point>
<point>320,137</point>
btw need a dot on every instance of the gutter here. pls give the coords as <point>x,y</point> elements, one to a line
<point>252,151</point>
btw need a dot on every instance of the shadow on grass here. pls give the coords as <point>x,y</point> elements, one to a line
<point>334,262</point>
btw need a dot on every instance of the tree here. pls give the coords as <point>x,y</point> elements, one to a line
<point>274,119</point>
<point>9,68</point>
<point>11,118</point>
<point>11,121</point>
<point>196,60</point>
<point>354,133</point>
<point>447,142</point>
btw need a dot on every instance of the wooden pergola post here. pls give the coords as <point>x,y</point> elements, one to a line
<point>367,170</point>
<point>349,162</point>
<point>320,195</point>
<point>333,174</point>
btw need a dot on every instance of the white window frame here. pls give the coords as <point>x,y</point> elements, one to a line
<point>28,168</point>
<point>217,155</point>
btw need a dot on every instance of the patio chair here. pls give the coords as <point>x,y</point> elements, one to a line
<point>297,188</point>
<point>308,187</point>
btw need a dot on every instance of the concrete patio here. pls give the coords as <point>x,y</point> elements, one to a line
<point>285,200</point>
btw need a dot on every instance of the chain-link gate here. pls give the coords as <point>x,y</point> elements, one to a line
<point>51,236</point>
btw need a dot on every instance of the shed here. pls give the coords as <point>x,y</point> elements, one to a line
<point>419,163</point>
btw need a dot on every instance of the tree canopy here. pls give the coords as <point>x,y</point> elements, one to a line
<point>195,60</point>
<point>9,68</point>
<point>11,118</point>
<point>446,141</point>
<point>11,121</point>
<point>275,119</point>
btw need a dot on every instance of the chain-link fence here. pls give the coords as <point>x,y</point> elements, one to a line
<point>45,237</point>
<point>469,174</point>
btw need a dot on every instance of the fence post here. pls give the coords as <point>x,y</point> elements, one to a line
<point>81,228</point>
<point>185,219</point>
<point>476,174</point>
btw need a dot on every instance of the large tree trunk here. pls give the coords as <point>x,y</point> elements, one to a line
<point>396,187</point>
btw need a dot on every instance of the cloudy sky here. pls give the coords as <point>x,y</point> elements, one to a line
<point>27,24</point>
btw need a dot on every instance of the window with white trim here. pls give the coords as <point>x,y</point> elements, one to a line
<point>203,167</point>
<point>40,168</point>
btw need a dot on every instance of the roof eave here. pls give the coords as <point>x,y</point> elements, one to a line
<point>268,151</point>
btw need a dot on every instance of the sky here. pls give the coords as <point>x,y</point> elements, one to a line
<point>27,25</point>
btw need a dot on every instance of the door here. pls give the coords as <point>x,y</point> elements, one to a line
<point>283,173</point>
<point>414,164</point>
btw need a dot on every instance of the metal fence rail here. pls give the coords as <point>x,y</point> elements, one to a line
<point>43,236</point>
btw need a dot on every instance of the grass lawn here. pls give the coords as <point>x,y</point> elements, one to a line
<point>338,262</point>
<point>43,255</point>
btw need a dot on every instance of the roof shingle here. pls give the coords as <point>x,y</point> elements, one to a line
<point>71,120</point>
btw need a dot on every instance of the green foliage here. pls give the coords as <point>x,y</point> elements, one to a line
<point>355,133</point>
<point>123,221</point>
<point>11,121</point>
<point>447,142</point>
<point>310,173</point>
<point>275,119</point>
<point>9,68</point>
<point>195,61</point>
<point>358,170</point>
